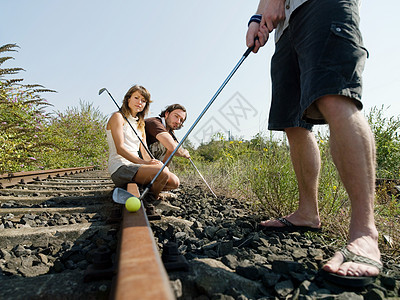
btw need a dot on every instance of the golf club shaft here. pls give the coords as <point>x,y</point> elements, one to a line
<point>176,140</point>
<point>198,118</point>
<point>202,178</point>
<point>120,110</point>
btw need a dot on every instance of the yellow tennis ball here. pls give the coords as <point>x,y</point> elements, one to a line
<point>132,204</point>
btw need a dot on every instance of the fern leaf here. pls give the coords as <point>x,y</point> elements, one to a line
<point>8,47</point>
<point>29,86</point>
<point>5,58</point>
<point>12,81</point>
<point>10,71</point>
<point>44,91</point>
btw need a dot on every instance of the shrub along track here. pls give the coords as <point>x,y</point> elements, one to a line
<point>58,235</point>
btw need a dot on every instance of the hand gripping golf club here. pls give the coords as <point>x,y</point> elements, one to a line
<point>120,110</point>
<point>173,135</point>
<point>198,118</point>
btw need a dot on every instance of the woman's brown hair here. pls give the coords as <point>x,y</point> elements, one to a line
<point>141,115</point>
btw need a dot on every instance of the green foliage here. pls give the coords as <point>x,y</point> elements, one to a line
<point>8,71</point>
<point>271,176</point>
<point>77,138</point>
<point>387,138</point>
<point>211,151</point>
<point>333,201</point>
<point>32,139</point>
<point>22,118</point>
<point>21,135</point>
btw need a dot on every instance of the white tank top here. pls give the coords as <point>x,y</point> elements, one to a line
<point>131,142</point>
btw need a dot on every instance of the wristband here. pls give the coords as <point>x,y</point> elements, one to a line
<point>255,18</point>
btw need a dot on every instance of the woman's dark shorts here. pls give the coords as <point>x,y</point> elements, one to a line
<point>320,53</point>
<point>124,175</point>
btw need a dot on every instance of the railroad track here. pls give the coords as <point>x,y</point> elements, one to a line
<point>62,237</point>
<point>53,231</point>
<point>12,179</point>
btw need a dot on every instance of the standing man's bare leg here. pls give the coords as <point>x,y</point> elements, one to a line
<point>353,152</point>
<point>306,163</point>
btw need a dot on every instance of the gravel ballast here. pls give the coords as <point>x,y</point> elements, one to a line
<point>229,258</point>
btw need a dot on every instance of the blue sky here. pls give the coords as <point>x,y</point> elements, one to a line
<point>180,50</point>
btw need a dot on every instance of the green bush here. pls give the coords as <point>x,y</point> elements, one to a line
<point>76,138</point>
<point>21,136</point>
<point>22,119</point>
<point>387,138</point>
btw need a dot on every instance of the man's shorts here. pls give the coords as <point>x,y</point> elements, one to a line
<point>158,150</point>
<point>124,175</point>
<point>320,53</point>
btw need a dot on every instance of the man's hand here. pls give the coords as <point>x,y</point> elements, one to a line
<point>255,37</point>
<point>184,153</point>
<point>273,12</point>
<point>170,144</point>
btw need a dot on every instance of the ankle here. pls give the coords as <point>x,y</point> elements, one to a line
<point>368,234</point>
<point>300,217</point>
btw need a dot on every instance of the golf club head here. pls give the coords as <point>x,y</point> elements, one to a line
<point>120,195</point>
<point>101,91</point>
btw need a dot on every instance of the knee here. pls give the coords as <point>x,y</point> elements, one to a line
<point>175,181</point>
<point>336,106</point>
<point>296,131</point>
<point>165,174</point>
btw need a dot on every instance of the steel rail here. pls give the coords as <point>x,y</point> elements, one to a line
<point>11,179</point>
<point>88,218</point>
<point>141,273</point>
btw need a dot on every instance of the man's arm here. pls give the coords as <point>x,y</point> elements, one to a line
<point>273,12</point>
<point>170,144</point>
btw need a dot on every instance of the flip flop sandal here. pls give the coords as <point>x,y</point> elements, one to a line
<point>352,281</point>
<point>289,227</point>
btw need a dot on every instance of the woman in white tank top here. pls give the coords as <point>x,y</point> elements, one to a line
<point>124,163</point>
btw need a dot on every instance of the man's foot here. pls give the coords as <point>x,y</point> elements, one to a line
<point>360,258</point>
